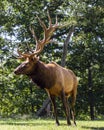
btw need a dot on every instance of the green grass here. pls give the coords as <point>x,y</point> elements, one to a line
<point>48,124</point>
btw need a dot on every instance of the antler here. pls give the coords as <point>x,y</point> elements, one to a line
<point>48,32</point>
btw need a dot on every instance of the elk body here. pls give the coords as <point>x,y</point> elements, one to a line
<point>56,80</point>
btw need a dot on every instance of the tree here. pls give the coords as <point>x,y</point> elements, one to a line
<point>85,51</point>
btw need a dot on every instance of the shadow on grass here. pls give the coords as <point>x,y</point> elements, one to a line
<point>93,128</point>
<point>41,123</point>
<point>26,123</point>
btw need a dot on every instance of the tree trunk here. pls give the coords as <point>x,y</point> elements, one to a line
<point>42,109</point>
<point>63,60</point>
<point>90,94</point>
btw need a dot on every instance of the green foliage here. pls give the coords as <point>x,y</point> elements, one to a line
<point>18,95</point>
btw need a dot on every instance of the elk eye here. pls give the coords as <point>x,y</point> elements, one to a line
<point>27,65</point>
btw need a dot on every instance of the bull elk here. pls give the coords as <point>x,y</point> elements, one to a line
<point>56,80</point>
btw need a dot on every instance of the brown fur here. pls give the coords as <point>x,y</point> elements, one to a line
<point>43,75</point>
<point>56,80</point>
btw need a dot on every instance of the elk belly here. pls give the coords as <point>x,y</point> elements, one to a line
<point>55,90</point>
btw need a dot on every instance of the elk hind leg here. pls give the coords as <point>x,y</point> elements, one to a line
<point>66,107</point>
<point>73,100</point>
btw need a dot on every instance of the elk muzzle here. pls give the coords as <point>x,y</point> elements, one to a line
<point>16,72</point>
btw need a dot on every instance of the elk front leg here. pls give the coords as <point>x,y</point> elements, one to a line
<point>54,108</point>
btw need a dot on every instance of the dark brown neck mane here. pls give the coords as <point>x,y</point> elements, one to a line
<point>42,75</point>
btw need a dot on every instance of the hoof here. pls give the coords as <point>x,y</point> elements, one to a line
<point>75,123</point>
<point>57,123</point>
<point>69,123</point>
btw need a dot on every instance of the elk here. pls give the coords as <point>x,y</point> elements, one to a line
<point>56,80</point>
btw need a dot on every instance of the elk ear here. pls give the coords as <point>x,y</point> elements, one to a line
<point>34,58</point>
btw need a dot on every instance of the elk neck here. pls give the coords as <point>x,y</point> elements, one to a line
<point>43,76</point>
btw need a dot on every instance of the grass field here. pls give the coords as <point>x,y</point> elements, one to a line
<point>48,124</point>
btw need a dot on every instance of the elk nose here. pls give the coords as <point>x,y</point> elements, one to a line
<point>15,71</point>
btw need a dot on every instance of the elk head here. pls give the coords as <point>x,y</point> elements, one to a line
<point>28,66</point>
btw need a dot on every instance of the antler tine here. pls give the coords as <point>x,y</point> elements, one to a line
<point>44,28</point>
<point>33,33</point>
<point>48,32</point>
<point>56,21</point>
<point>21,55</point>
<point>42,23</point>
<point>50,21</point>
<point>37,49</point>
